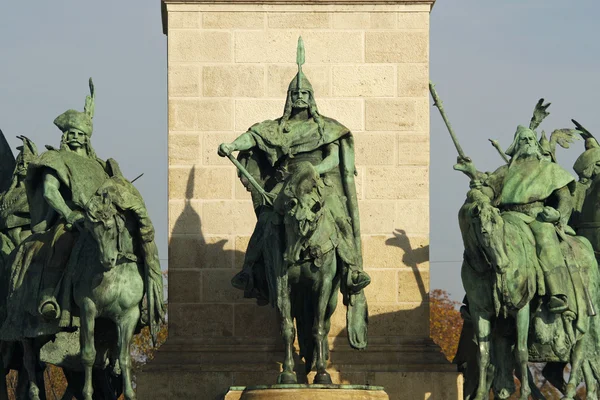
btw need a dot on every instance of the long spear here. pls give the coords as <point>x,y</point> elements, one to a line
<point>438,103</point>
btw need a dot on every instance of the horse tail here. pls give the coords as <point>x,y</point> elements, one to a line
<point>154,289</point>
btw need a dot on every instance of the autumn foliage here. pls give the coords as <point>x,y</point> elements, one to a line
<point>445,322</point>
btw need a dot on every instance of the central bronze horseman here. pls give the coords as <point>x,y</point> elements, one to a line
<point>306,244</point>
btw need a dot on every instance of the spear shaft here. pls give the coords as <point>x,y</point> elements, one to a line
<point>438,103</point>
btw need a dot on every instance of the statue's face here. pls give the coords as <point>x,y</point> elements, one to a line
<point>300,98</point>
<point>21,170</point>
<point>76,138</point>
<point>528,144</point>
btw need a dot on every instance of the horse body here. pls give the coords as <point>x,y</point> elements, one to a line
<point>107,285</point>
<point>308,285</point>
<point>112,288</point>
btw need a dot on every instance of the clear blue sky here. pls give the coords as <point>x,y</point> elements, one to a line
<point>491,62</point>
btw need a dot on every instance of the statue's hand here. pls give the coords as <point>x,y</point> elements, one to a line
<point>225,149</point>
<point>74,219</point>
<point>466,166</point>
<point>476,184</point>
<point>549,215</point>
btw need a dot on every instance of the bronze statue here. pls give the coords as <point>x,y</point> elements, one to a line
<point>532,283</point>
<point>86,250</point>
<point>306,244</point>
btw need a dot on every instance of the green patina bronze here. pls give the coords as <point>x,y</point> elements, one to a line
<point>529,270</point>
<point>77,245</point>
<point>306,244</point>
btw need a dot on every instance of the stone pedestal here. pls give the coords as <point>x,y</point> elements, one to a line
<point>307,392</point>
<point>230,62</point>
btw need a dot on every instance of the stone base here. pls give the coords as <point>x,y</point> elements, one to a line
<point>206,369</point>
<point>307,392</point>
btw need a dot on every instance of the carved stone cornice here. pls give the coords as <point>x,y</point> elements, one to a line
<point>304,3</point>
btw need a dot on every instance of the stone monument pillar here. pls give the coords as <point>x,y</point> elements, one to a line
<point>229,64</point>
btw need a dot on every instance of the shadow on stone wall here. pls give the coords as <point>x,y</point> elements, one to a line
<point>200,271</point>
<point>194,258</point>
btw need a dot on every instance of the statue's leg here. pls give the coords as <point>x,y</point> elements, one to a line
<point>521,352</point>
<point>88,349</point>
<point>577,356</point>
<point>483,331</point>
<point>322,291</point>
<point>125,327</point>
<point>29,361</point>
<point>288,332</point>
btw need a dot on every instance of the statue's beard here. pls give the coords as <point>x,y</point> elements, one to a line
<point>528,151</point>
<point>300,104</point>
<point>75,142</point>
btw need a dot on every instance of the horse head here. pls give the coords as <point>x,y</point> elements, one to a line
<point>489,230</point>
<point>105,225</point>
<point>303,207</point>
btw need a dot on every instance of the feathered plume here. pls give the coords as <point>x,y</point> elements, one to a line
<point>89,101</point>
<point>590,140</point>
<point>563,137</point>
<point>32,148</point>
<point>539,113</point>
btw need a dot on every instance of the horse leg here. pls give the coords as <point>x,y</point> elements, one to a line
<point>29,360</point>
<point>322,292</point>
<point>483,331</point>
<point>535,392</point>
<point>577,357</point>
<point>88,348</point>
<point>125,327</point>
<point>591,386</point>
<point>288,332</point>
<point>521,352</point>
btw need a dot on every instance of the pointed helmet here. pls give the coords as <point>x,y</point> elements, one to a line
<point>300,81</point>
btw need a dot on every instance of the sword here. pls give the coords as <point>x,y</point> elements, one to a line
<point>268,198</point>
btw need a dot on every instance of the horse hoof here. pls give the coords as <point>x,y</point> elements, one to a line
<point>287,378</point>
<point>322,378</point>
<point>503,394</point>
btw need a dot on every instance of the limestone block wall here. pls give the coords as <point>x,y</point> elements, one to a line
<point>229,66</point>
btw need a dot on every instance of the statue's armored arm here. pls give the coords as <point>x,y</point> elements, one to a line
<point>243,142</point>
<point>54,198</point>
<point>565,204</point>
